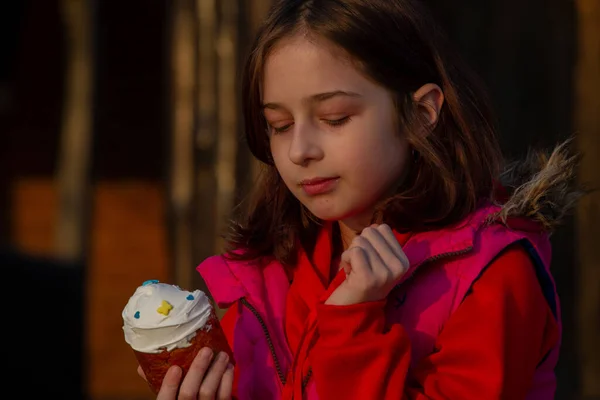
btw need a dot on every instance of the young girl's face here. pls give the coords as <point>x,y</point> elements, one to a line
<point>333,132</point>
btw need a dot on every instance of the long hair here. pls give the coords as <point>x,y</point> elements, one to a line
<point>397,44</point>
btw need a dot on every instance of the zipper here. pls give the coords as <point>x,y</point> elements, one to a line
<point>306,378</point>
<point>263,325</point>
<point>437,257</point>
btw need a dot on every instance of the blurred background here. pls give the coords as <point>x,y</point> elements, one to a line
<point>120,160</point>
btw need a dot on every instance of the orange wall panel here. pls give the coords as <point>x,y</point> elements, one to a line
<point>33,215</point>
<point>128,247</point>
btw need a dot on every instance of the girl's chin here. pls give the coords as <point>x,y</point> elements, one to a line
<point>331,209</point>
<point>330,215</point>
<point>326,216</point>
<point>356,220</point>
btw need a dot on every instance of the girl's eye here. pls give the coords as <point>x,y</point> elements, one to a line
<point>337,122</point>
<point>331,122</point>
<point>281,129</point>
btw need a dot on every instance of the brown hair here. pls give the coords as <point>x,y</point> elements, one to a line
<point>398,45</point>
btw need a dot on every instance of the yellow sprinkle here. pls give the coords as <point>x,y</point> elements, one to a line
<point>164,308</point>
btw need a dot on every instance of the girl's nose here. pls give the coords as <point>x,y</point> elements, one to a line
<point>305,146</point>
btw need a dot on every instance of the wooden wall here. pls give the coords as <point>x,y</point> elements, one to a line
<point>127,234</point>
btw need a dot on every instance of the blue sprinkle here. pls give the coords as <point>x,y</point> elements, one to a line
<point>190,297</point>
<point>150,282</point>
<point>136,315</point>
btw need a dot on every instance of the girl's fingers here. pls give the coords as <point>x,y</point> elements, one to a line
<point>356,261</point>
<point>389,236</point>
<point>211,382</point>
<point>375,261</point>
<point>170,385</point>
<point>195,375</point>
<point>362,264</point>
<point>225,390</point>
<point>391,254</point>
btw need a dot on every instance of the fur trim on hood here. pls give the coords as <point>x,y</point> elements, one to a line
<point>543,186</point>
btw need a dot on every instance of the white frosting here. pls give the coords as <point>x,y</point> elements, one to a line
<point>151,331</point>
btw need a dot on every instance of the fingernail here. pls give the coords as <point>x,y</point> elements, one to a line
<point>174,372</point>
<point>207,353</point>
<point>230,366</point>
<point>223,356</point>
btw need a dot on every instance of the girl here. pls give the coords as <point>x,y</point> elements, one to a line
<point>380,257</point>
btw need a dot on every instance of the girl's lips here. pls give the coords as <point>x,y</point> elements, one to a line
<point>316,186</point>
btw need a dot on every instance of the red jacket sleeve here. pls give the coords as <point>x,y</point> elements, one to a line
<point>488,349</point>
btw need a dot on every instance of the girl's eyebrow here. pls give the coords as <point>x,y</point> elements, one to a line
<point>315,98</point>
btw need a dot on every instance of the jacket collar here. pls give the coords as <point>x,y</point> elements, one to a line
<point>230,280</point>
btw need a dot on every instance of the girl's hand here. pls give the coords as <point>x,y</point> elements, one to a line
<point>373,263</point>
<point>204,381</point>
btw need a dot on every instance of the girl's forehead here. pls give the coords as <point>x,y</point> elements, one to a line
<point>312,43</point>
<point>301,66</point>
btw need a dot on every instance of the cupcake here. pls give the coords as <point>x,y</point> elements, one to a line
<point>165,326</point>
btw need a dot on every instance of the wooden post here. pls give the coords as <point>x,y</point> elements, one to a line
<point>587,119</point>
<point>227,113</point>
<point>74,155</point>
<point>206,135</point>
<point>181,163</point>
<point>258,12</point>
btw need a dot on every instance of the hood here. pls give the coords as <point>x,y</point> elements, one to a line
<point>542,187</point>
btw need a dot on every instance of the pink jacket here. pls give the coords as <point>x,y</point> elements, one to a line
<point>429,293</point>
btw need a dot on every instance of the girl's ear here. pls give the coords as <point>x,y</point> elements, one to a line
<point>429,99</point>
